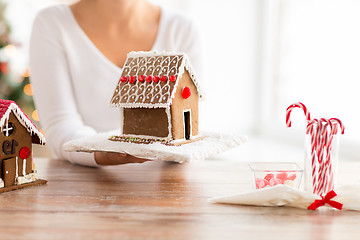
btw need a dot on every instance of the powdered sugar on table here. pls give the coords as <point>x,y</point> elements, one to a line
<point>213,144</point>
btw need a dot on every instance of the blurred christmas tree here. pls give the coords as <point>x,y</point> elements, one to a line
<point>12,86</point>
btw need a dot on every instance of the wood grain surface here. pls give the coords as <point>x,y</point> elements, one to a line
<point>159,200</point>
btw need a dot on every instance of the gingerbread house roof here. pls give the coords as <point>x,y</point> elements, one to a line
<point>6,107</point>
<point>150,79</point>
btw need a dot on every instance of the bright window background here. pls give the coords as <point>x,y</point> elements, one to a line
<point>259,57</point>
<point>316,60</point>
<point>228,33</point>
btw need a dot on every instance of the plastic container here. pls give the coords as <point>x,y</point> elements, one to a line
<point>321,178</point>
<point>269,174</point>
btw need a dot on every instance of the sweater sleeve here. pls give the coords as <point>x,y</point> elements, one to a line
<point>53,93</point>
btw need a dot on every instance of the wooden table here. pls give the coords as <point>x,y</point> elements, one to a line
<point>158,200</point>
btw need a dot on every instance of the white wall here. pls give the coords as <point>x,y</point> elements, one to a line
<point>229,33</point>
<point>228,30</point>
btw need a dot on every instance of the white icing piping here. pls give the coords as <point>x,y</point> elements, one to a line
<point>135,54</point>
<point>192,74</point>
<point>168,113</point>
<point>31,177</point>
<point>30,127</point>
<point>24,167</point>
<point>146,136</point>
<point>181,72</point>
<point>138,105</point>
<point>16,167</point>
<point>183,139</point>
<point>185,64</point>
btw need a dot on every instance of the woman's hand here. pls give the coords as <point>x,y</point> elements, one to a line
<point>109,158</point>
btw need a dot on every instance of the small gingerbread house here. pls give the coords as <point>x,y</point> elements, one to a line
<point>16,138</point>
<point>159,94</point>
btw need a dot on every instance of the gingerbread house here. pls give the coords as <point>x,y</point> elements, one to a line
<point>159,94</point>
<point>16,138</point>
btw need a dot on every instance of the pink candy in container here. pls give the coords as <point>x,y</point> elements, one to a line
<point>269,174</point>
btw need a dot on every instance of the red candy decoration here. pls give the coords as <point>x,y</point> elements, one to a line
<point>156,78</point>
<point>261,183</point>
<point>141,78</point>
<point>163,78</point>
<point>4,68</point>
<point>123,79</point>
<point>132,79</point>
<point>149,78</point>
<point>291,177</point>
<point>186,93</point>
<point>274,182</point>
<point>24,153</point>
<point>282,176</point>
<point>172,78</point>
<point>269,176</point>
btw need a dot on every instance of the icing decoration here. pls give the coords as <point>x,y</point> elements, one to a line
<point>172,78</point>
<point>141,78</point>
<point>144,65</point>
<point>16,167</point>
<point>186,93</point>
<point>156,78</point>
<point>132,79</point>
<point>24,167</point>
<point>163,78</point>
<point>31,177</point>
<point>8,129</point>
<point>123,79</point>
<point>142,140</point>
<point>24,153</point>
<point>168,113</point>
<point>6,107</point>
<point>9,147</point>
<point>150,66</point>
<point>149,78</point>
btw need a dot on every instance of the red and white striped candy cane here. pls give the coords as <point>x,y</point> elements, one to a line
<point>311,129</point>
<point>296,105</point>
<point>336,120</point>
<point>329,169</point>
<point>323,149</point>
<point>321,132</point>
<point>335,123</point>
<point>319,153</point>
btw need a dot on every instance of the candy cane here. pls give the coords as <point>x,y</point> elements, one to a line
<point>336,120</point>
<point>335,123</point>
<point>330,180</point>
<point>321,137</point>
<point>310,129</point>
<point>324,163</point>
<point>321,132</point>
<point>296,105</point>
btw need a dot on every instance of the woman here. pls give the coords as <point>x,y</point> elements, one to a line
<point>76,55</point>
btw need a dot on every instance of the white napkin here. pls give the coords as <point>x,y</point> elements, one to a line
<point>283,195</point>
<point>213,144</point>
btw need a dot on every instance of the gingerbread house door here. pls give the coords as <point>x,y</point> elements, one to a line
<point>187,124</point>
<point>9,171</point>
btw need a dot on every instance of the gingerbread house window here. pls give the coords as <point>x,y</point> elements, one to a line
<point>8,129</point>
